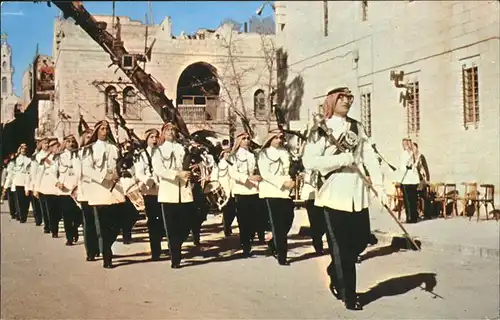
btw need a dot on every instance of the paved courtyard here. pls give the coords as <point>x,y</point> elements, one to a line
<point>43,279</point>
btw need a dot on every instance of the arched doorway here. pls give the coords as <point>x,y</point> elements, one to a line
<point>198,92</point>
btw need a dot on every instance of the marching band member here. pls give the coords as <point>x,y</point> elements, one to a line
<point>47,186</point>
<point>105,195</point>
<point>66,183</point>
<point>220,173</point>
<point>274,165</point>
<point>82,192</point>
<point>344,194</point>
<point>29,185</point>
<point>44,145</point>
<point>175,192</point>
<point>245,185</point>
<point>130,212</point>
<point>21,170</point>
<point>199,200</point>
<point>308,194</point>
<point>8,187</point>
<point>149,183</point>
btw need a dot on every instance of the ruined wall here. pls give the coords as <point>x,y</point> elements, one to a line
<point>429,41</point>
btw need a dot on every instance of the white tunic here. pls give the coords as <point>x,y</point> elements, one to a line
<point>407,176</point>
<point>10,177</point>
<point>30,180</point>
<point>149,180</point>
<point>220,173</point>
<point>66,170</point>
<point>167,162</point>
<point>21,170</point>
<point>48,177</point>
<point>344,190</point>
<point>244,165</point>
<point>98,166</point>
<point>39,169</point>
<point>274,165</point>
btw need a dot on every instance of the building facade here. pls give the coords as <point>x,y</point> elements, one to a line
<point>427,70</point>
<point>9,100</point>
<point>205,74</point>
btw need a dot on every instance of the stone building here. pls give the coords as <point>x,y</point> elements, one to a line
<point>205,74</point>
<point>424,69</point>
<point>9,99</point>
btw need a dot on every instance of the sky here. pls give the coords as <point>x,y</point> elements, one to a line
<point>29,23</point>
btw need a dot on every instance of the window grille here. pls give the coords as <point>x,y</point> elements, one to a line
<point>470,88</point>
<point>413,108</point>
<point>366,112</point>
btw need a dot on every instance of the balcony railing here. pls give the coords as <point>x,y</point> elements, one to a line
<point>202,113</point>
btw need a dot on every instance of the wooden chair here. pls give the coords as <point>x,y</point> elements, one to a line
<point>439,191</point>
<point>488,198</point>
<point>451,194</point>
<point>470,198</point>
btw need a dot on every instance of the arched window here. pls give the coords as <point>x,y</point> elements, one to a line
<point>4,85</point>
<point>4,65</point>
<point>109,93</point>
<point>259,104</point>
<point>129,100</point>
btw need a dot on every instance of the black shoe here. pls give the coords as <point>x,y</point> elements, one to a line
<point>38,224</point>
<point>247,253</point>
<point>155,258</point>
<point>283,262</point>
<point>46,231</point>
<point>353,305</point>
<point>90,258</point>
<point>75,238</point>
<point>22,221</point>
<point>69,243</point>
<point>127,241</point>
<point>108,266</point>
<point>55,236</point>
<point>175,266</point>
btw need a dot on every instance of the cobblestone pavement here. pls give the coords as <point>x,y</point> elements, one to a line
<point>43,279</point>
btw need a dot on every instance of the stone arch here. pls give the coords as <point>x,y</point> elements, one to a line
<point>108,93</point>
<point>4,84</point>
<point>259,104</point>
<point>198,87</point>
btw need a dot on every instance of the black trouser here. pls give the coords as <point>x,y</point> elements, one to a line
<point>228,215</point>
<point>45,212</point>
<point>156,227</point>
<point>261,222</point>
<point>348,234</point>
<point>54,212</point>
<point>22,204</point>
<point>177,221</point>
<point>281,217</point>
<point>71,217</point>
<point>201,211</point>
<point>317,222</point>
<point>37,209</point>
<point>129,219</point>
<point>89,231</point>
<point>427,203</point>
<point>410,202</point>
<point>108,221</point>
<point>246,210</point>
<point>11,198</point>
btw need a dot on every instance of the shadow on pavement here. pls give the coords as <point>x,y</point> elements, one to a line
<point>400,285</point>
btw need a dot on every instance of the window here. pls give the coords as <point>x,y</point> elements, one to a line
<point>109,94</point>
<point>470,88</point>
<point>259,104</point>
<point>130,105</point>
<point>366,112</point>
<point>413,107</point>
<point>4,65</point>
<point>364,10</point>
<point>4,85</point>
<point>325,17</point>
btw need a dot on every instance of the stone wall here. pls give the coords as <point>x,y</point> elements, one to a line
<point>429,41</point>
<point>79,61</point>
